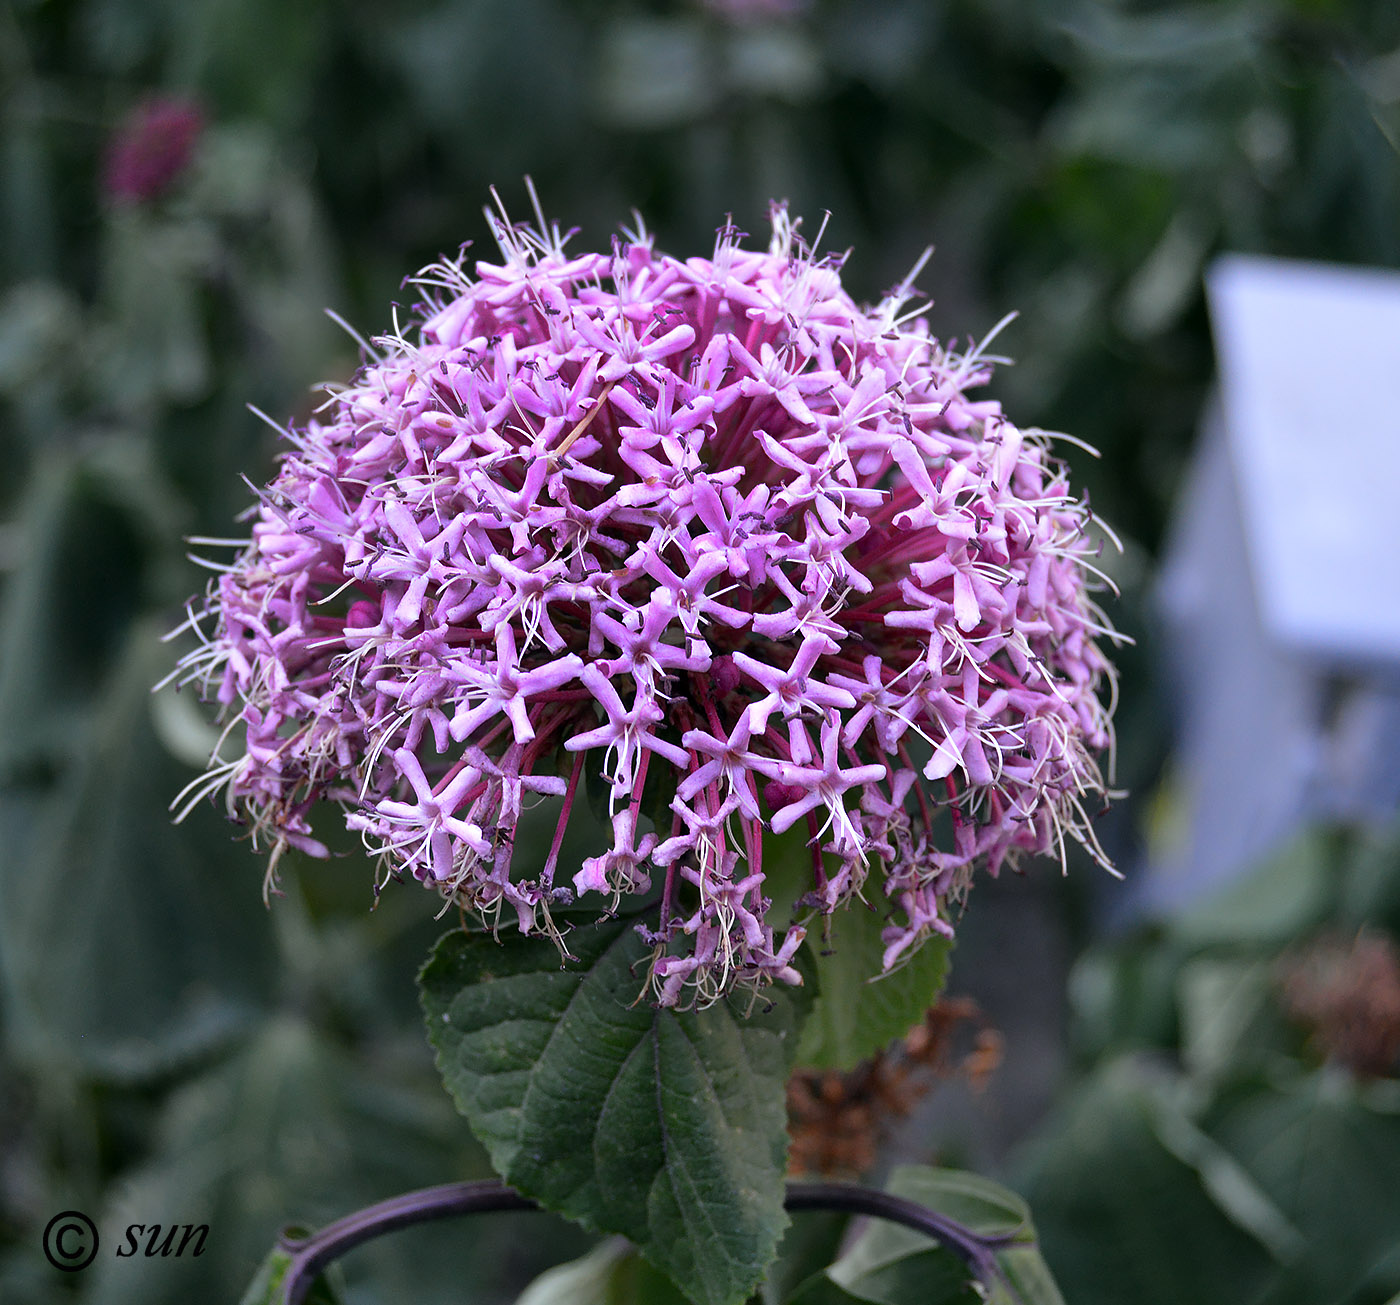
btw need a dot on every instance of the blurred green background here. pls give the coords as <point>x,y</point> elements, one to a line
<point>171,1051</point>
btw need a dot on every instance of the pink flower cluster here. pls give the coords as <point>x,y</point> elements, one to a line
<point>625,514</point>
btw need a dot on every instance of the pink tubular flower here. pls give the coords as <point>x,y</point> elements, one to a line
<point>703,521</point>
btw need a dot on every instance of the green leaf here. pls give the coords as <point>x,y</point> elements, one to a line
<point>978,1203</point>
<point>28,244</point>
<point>898,1259</point>
<point>131,944</point>
<point>1330,1163</point>
<point>65,613</point>
<point>813,1240</point>
<point>1124,996</point>
<point>1371,885</point>
<point>154,349</point>
<point>890,1264</point>
<point>934,1277</point>
<point>1222,1002</point>
<point>612,1273</point>
<point>859,1010</point>
<point>1288,895</point>
<point>296,1127</point>
<point>40,326</point>
<point>266,1287</point>
<point>667,1128</point>
<point>1115,1206</point>
<point>1229,1184</point>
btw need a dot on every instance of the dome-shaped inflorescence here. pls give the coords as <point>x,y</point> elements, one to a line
<point>705,520</point>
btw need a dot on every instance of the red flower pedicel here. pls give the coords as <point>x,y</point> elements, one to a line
<point>623,512</point>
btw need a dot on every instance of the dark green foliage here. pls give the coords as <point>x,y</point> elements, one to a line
<point>1116,1207</point>
<point>1212,1119</point>
<point>666,1127</point>
<point>892,1265</point>
<point>105,887</point>
<point>856,1013</point>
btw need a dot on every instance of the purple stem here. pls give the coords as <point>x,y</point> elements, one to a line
<point>314,1251</point>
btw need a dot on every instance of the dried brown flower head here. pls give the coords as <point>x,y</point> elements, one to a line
<point>837,1120</point>
<point>1347,994</point>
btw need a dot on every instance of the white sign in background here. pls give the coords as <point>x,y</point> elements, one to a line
<point>1309,358</point>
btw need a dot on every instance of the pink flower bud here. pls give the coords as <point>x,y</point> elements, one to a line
<point>150,149</point>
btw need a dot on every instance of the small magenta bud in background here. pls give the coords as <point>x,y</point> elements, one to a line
<point>151,147</point>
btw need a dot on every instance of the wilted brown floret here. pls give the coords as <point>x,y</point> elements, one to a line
<point>837,1120</point>
<point>1347,994</point>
